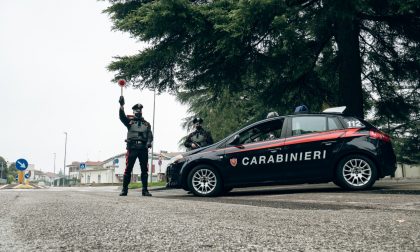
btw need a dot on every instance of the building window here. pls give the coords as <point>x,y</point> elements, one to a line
<point>99,178</point>
<point>88,178</point>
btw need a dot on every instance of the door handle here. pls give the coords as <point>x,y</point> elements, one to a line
<point>274,150</point>
<point>328,143</point>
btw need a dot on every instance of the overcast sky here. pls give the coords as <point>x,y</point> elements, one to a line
<point>53,79</point>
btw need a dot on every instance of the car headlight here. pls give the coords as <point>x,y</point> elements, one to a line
<point>177,159</point>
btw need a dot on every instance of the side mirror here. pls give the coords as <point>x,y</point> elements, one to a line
<point>234,140</point>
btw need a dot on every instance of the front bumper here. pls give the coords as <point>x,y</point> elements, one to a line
<point>173,176</point>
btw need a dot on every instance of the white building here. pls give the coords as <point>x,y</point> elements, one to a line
<point>46,177</point>
<point>30,171</point>
<point>112,169</point>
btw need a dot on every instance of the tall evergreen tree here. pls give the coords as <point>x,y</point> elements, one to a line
<point>364,54</point>
<point>273,45</point>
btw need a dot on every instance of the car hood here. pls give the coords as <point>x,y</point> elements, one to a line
<point>192,152</point>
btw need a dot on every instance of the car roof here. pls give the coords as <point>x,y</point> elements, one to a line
<point>292,115</point>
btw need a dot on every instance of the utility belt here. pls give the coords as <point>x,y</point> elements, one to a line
<point>136,144</point>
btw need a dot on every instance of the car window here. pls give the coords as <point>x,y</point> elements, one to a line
<point>308,124</point>
<point>352,122</point>
<point>333,124</point>
<point>270,130</point>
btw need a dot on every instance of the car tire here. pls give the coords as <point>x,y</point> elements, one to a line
<point>205,181</point>
<point>356,172</point>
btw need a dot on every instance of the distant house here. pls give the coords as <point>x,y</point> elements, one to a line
<point>47,177</point>
<point>112,169</point>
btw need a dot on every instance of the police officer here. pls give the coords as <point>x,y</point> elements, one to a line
<point>199,138</point>
<point>139,139</point>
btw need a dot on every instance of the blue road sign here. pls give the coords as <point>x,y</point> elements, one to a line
<point>82,166</point>
<point>21,164</point>
<point>16,177</point>
<point>27,175</point>
<point>116,161</point>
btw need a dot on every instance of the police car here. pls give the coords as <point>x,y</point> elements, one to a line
<point>293,149</point>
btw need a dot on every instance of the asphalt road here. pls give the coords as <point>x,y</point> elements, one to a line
<point>283,218</point>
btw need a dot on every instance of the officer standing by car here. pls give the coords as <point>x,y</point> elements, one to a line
<point>199,137</point>
<point>139,139</point>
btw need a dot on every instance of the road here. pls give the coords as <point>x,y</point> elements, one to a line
<point>281,218</point>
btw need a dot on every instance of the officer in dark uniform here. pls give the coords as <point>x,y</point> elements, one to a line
<point>139,139</point>
<point>199,138</point>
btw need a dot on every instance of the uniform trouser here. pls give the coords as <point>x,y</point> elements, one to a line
<point>130,160</point>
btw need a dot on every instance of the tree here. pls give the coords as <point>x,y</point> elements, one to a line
<point>222,115</point>
<point>11,173</point>
<point>364,54</point>
<point>311,46</point>
<point>3,168</point>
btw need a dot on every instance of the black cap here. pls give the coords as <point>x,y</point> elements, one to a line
<point>198,120</point>
<point>138,106</point>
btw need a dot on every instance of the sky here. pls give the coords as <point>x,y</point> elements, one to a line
<point>53,79</point>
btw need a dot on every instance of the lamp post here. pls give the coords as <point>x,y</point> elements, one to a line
<point>153,130</point>
<point>54,169</point>
<point>65,154</point>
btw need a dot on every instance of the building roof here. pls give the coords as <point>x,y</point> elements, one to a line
<point>93,163</point>
<point>114,157</point>
<point>38,173</point>
<point>50,174</point>
<point>88,163</point>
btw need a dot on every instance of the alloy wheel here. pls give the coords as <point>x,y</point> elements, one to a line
<point>357,172</point>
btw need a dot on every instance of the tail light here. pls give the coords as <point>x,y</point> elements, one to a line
<point>376,134</point>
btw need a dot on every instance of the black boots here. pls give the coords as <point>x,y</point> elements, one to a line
<point>126,181</point>
<point>144,177</point>
<point>145,192</point>
<point>123,192</point>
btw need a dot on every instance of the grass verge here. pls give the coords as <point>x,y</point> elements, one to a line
<point>139,184</point>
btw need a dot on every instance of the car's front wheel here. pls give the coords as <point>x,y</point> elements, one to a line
<point>204,181</point>
<point>356,172</point>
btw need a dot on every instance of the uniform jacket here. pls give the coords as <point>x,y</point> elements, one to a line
<point>139,133</point>
<point>200,137</point>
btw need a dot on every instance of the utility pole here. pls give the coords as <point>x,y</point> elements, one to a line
<point>65,154</point>
<point>54,169</point>
<point>153,131</point>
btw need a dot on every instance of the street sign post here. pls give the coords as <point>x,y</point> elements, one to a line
<point>21,165</point>
<point>82,166</point>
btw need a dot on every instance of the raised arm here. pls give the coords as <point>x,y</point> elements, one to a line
<point>124,119</point>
